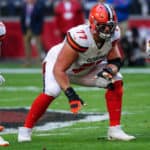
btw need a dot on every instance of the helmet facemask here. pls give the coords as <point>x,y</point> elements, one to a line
<point>105,31</point>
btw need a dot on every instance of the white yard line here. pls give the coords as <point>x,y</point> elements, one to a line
<point>39,70</point>
<point>37,89</point>
<point>20,88</point>
<point>20,71</point>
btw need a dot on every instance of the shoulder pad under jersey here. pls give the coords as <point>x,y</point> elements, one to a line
<point>116,35</point>
<point>77,38</point>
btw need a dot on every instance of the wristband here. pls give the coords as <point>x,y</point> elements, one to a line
<point>71,94</point>
<point>117,62</point>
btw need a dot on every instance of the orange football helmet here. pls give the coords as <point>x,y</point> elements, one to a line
<point>101,16</point>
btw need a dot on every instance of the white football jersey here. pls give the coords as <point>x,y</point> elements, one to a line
<point>81,40</point>
<point>2,29</point>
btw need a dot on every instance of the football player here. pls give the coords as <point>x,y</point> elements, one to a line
<point>2,79</point>
<point>88,56</point>
<point>148,47</point>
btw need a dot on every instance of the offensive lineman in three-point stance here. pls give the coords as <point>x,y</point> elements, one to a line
<point>88,56</point>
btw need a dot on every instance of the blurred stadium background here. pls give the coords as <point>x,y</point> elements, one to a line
<point>13,46</point>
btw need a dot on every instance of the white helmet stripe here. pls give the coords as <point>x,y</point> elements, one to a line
<point>109,11</point>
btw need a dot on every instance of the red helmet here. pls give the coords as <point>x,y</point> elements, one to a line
<point>101,16</point>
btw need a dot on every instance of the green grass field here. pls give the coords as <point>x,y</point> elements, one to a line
<point>20,89</point>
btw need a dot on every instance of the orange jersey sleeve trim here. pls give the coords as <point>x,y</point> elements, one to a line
<point>74,45</point>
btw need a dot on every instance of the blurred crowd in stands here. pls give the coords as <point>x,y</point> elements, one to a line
<point>13,7</point>
<point>133,39</point>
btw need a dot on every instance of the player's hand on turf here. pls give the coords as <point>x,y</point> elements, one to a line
<point>2,79</point>
<point>74,100</point>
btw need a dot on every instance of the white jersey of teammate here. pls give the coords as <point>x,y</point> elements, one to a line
<point>90,61</point>
<point>2,30</point>
<point>2,35</point>
<point>80,39</point>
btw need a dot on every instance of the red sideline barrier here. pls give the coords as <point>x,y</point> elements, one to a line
<point>139,22</point>
<point>50,35</point>
<point>13,45</point>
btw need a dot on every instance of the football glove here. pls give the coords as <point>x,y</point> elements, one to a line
<point>106,73</point>
<point>74,100</point>
<point>2,79</point>
<point>106,76</point>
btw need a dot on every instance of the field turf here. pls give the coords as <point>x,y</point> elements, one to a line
<point>20,89</point>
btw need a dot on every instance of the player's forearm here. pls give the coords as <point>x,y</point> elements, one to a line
<point>62,79</point>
